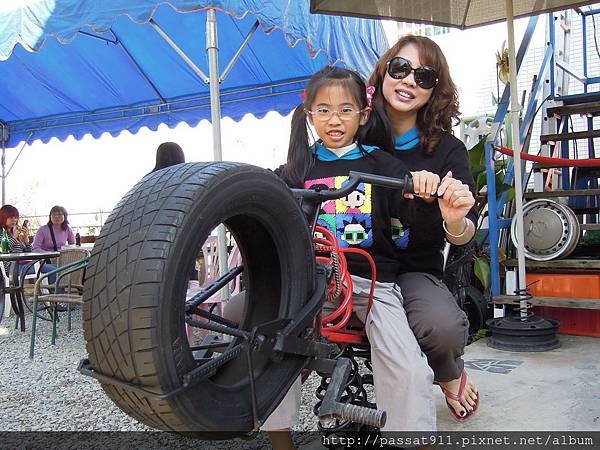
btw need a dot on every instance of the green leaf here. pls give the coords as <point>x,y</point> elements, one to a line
<point>481,181</point>
<point>476,171</point>
<point>499,176</point>
<point>511,194</point>
<point>482,270</point>
<point>477,153</point>
<point>500,164</point>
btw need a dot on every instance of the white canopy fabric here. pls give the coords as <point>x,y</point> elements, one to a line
<point>454,13</point>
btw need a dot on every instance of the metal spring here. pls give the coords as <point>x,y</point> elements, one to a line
<point>332,295</point>
<point>523,312</point>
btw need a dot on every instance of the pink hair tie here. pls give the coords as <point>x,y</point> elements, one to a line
<point>303,95</point>
<point>370,92</point>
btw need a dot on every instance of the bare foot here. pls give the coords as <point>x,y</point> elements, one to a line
<point>468,397</point>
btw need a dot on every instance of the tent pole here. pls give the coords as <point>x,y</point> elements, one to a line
<point>138,67</point>
<point>3,167</point>
<point>239,51</point>
<point>212,48</point>
<point>180,52</point>
<point>516,144</point>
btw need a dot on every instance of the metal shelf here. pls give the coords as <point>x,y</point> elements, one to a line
<point>555,302</point>
<point>577,264</point>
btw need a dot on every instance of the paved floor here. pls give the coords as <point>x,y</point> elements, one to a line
<point>557,390</point>
<point>553,390</point>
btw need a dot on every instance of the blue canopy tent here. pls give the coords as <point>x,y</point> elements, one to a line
<point>73,67</point>
<point>85,66</point>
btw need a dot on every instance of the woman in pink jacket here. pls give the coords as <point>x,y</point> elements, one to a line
<point>55,234</point>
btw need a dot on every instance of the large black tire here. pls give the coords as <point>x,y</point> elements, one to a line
<point>137,278</point>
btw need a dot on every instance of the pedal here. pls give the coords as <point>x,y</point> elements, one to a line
<point>332,408</point>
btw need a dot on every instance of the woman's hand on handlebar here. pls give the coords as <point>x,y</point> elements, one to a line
<point>425,185</point>
<point>454,199</point>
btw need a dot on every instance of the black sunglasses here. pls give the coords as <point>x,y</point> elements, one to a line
<point>426,77</point>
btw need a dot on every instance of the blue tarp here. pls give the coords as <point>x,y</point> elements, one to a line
<point>72,67</point>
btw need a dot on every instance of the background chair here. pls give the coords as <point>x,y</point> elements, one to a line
<point>23,277</point>
<point>67,256</point>
<point>68,289</point>
<point>208,272</point>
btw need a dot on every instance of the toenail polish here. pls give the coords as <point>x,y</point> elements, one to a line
<point>462,413</point>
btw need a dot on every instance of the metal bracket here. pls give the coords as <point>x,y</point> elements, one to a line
<point>85,368</point>
<point>4,135</point>
<point>238,52</point>
<point>180,52</point>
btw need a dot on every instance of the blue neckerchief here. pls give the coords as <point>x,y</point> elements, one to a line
<point>324,154</point>
<point>407,140</point>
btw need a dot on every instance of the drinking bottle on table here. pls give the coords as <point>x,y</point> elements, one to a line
<point>5,244</point>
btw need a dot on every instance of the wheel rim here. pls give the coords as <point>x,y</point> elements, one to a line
<point>551,230</point>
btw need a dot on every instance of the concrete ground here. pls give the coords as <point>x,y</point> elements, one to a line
<point>557,390</point>
<point>554,390</point>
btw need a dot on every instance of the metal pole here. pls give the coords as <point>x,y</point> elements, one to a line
<point>239,51</point>
<point>492,218</point>
<point>212,48</point>
<point>516,143</point>
<point>180,52</point>
<point>3,168</point>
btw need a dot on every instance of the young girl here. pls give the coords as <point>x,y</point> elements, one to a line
<point>413,86</point>
<point>337,105</point>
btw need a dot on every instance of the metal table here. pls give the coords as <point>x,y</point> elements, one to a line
<point>14,288</point>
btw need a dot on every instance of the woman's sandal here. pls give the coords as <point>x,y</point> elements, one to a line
<point>450,395</point>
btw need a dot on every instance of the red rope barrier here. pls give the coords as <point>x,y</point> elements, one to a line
<point>544,159</point>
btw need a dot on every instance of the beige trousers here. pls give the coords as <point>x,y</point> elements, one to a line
<point>402,377</point>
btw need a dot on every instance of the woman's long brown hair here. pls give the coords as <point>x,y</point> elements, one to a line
<point>437,115</point>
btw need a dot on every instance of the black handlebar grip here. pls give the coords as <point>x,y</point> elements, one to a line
<point>405,183</point>
<point>409,186</point>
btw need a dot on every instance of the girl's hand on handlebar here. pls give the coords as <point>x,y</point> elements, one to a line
<point>454,199</point>
<point>425,185</point>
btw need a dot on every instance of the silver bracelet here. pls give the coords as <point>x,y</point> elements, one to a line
<point>456,235</point>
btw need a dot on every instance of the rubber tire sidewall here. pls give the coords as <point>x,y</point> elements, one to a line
<point>133,327</point>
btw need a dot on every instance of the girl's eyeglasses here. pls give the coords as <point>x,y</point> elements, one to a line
<point>399,68</point>
<point>325,114</point>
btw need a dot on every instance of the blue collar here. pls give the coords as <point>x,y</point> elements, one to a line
<point>324,154</point>
<point>408,140</point>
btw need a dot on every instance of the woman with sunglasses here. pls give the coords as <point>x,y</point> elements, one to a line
<point>413,86</point>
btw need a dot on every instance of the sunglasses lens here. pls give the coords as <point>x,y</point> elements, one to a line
<point>426,77</point>
<point>399,68</point>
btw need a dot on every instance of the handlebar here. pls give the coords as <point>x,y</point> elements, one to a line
<point>405,184</point>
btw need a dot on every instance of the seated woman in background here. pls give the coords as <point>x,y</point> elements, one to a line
<point>51,237</point>
<point>168,154</point>
<point>18,237</point>
<point>55,234</point>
